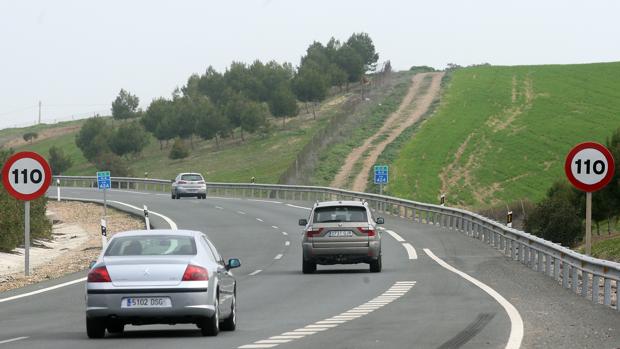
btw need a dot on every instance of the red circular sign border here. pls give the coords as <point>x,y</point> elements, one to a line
<point>589,187</point>
<point>22,155</point>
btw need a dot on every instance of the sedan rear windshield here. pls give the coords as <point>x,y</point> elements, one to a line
<point>191,177</point>
<point>340,214</point>
<point>152,245</point>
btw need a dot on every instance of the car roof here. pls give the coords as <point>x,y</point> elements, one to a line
<point>189,173</point>
<point>158,232</point>
<point>341,203</point>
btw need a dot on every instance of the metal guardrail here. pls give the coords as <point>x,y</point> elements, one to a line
<point>582,274</point>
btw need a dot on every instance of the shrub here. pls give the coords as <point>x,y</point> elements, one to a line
<point>29,136</point>
<point>179,150</point>
<point>108,161</point>
<point>59,162</point>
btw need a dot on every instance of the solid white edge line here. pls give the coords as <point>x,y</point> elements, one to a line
<point>255,272</point>
<point>410,251</point>
<point>395,235</point>
<point>13,340</point>
<point>269,201</point>
<point>43,290</point>
<point>516,323</point>
<point>303,208</point>
<point>170,222</point>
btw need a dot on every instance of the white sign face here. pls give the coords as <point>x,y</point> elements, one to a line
<point>589,166</point>
<point>26,176</point>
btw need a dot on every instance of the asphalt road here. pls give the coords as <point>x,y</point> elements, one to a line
<point>413,303</point>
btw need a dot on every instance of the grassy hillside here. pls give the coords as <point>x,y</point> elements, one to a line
<point>501,133</point>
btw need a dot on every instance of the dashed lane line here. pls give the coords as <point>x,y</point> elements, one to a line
<point>284,233</point>
<point>260,220</point>
<point>255,272</point>
<point>410,251</point>
<point>397,290</point>
<point>268,201</point>
<point>516,323</point>
<point>274,227</point>
<point>240,212</point>
<point>278,256</point>
<point>302,207</point>
<point>13,340</point>
<point>287,243</point>
<point>219,207</point>
<point>395,236</point>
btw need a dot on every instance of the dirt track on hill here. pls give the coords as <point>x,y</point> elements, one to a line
<point>415,104</point>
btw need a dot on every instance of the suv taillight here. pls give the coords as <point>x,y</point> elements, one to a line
<point>313,232</point>
<point>195,273</point>
<point>369,232</point>
<point>99,274</point>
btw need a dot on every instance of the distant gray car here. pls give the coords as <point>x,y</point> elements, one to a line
<point>341,232</point>
<point>160,277</point>
<point>189,184</point>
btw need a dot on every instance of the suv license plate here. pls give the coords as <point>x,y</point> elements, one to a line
<point>146,302</point>
<point>340,233</point>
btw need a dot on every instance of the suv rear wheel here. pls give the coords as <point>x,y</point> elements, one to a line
<point>375,266</point>
<point>308,267</point>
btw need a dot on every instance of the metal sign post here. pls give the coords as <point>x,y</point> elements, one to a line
<point>381,177</point>
<point>26,176</point>
<point>589,167</point>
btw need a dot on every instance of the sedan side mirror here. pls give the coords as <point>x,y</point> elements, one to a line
<point>233,263</point>
<point>380,220</point>
<point>303,222</point>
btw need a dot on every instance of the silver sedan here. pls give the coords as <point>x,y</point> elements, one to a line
<point>160,277</point>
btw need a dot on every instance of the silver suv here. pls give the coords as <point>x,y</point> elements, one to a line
<point>188,184</point>
<point>341,232</point>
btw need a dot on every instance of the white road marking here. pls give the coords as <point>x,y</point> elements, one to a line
<point>274,227</point>
<point>240,212</point>
<point>284,233</point>
<point>255,272</point>
<point>257,346</point>
<point>286,243</point>
<point>162,194</point>
<point>516,323</point>
<point>42,290</point>
<point>334,321</point>
<point>13,340</point>
<point>269,201</point>
<point>260,220</point>
<point>395,236</point>
<point>410,251</point>
<point>303,208</point>
<point>219,208</point>
<point>278,256</point>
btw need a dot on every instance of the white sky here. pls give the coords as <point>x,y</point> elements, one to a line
<point>75,56</point>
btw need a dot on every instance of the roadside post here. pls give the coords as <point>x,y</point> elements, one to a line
<point>589,167</point>
<point>147,221</point>
<point>509,219</point>
<point>442,200</point>
<point>104,232</point>
<point>57,189</point>
<point>381,177</point>
<point>26,176</point>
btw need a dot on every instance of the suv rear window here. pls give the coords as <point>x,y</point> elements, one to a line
<point>152,245</point>
<point>334,214</point>
<point>191,177</point>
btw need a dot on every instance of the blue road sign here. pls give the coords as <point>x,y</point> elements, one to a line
<point>381,174</point>
<point>103,180</point>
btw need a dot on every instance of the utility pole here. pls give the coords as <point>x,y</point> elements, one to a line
<point>39,112</point>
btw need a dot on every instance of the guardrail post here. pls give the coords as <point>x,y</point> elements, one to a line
<point>556,269</point>
<point>539,257</point>
<point>548,265</point>
<point>575,279</point>
<point>584,283</point>
<point>565,274</point>
<point>607,292</point>
<point>595,288</point>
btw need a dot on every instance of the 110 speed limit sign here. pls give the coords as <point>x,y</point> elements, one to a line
<point>26,176</point>
<point>589,166</point>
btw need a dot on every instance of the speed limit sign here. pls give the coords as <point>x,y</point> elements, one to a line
<point>26,176</point>
<point>589,166</point>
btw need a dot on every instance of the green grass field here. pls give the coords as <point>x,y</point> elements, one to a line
<point>501,134</point>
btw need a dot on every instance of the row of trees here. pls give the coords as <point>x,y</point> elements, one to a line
<point>109,147</point>
<point>560,216</point>
<point>243,97</point>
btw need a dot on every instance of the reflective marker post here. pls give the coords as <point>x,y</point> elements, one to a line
<point>104,232</point>
<point>57,189</point>
<point>147,221</point>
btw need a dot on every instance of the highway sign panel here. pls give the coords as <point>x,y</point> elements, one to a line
<point>381,174</point>
<point>103,180</point>
<point>589,166</point>
<point>26,176</point>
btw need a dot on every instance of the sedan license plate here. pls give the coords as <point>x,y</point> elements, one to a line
<point>146,302</point>
<point>340,233</point>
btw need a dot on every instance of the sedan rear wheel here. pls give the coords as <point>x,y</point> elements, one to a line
<point>375,266</point>
<point>95,328</point>
<point>173,196</point>
<point>116,327</point>
<point>211,326</point>
<point>230,323</point>
<point>308,267</point>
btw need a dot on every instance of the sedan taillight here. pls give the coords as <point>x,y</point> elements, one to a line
<point>99,274</point>
<point>195,273</point>
<point>182,182</point>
